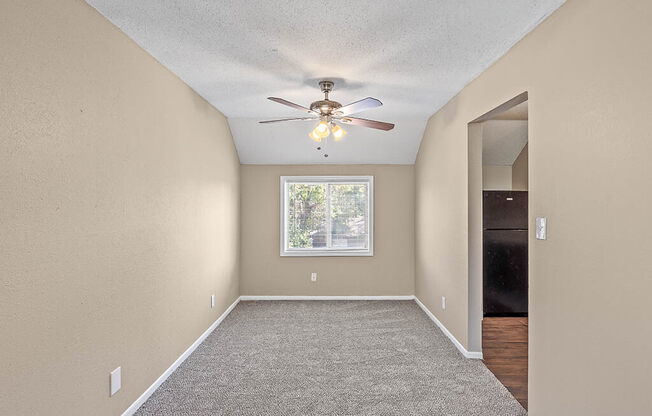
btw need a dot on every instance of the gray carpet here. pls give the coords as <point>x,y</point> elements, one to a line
<point>330,358</point>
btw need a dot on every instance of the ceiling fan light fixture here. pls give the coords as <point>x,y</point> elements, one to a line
<point>313,135</point>
<point>338,132</point>
<point>322,130</point>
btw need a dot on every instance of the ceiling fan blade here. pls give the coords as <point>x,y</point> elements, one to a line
<point>290,104</point>
<point>380,125</point>
<point>362,105</point>
<point>289,119</point>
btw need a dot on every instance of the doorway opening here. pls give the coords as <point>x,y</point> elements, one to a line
<point>498,242</point>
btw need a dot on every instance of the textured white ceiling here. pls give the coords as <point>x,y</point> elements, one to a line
<point>413,55</point>
<point>502,141</point>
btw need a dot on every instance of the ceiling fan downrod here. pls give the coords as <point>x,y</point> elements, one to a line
<point>326,87</point>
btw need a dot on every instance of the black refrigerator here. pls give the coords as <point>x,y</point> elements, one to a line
<point>505,256</point>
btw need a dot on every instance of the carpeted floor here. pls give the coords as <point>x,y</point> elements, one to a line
<point>330,358</point>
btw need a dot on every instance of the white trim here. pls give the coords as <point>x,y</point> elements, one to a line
<point>143,397</point>
<point>284,200</point>
<point>329,220</point>
<point>301,297</point>
<point>467,354</point>
<point>327,253</point>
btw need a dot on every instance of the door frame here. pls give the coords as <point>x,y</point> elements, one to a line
<point>474,207</point>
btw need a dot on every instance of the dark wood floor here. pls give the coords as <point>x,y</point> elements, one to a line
<point>504,348</point>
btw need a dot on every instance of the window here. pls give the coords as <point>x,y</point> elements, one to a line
<point>327,216</point>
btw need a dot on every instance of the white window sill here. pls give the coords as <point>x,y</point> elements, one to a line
<point>327,253</point>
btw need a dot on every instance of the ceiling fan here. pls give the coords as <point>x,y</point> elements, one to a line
<point>328,112</point>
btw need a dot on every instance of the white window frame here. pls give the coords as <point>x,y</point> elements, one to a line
<point>310,252</point>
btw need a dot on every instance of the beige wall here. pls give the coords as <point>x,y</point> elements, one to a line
<point>389,272</point>
<point>496,178</point>
<point>519,171</point>
<point>586,69</point>
<point>119,213</point>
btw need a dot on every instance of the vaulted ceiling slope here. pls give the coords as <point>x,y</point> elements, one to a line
<point>413,55</point>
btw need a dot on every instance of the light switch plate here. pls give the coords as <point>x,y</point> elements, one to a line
<point>443,302</point>
<point>116,380</point>
<point>212,301</point>
<point>541,231</point>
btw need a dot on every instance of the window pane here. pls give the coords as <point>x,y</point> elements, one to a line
<point>307,216</point>
<point>349,226</point>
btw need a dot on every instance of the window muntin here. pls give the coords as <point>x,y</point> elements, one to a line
<point>327,216</point>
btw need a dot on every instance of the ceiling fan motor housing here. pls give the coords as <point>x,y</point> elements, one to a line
<point>325,107</point>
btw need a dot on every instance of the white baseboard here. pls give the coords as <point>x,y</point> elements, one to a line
<point>468,354</point>
<point>399,297</point>
<point>143,397</point>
